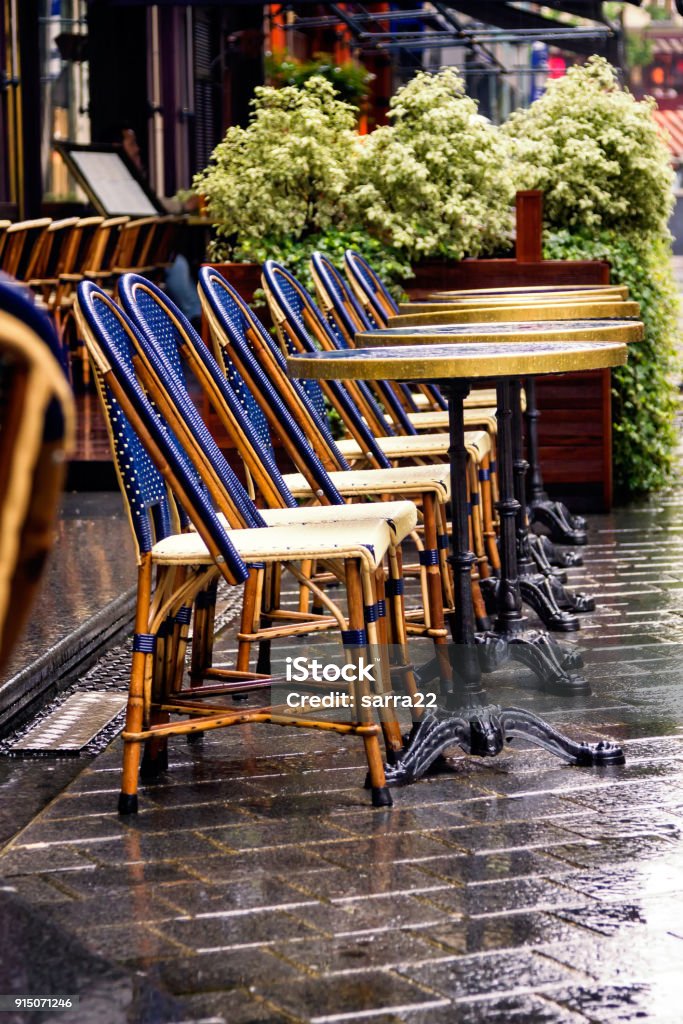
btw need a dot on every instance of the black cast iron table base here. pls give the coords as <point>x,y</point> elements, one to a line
<point>548,517</point>
<point>484,732</point>
<point>466,721</point>
<point>554,555</point>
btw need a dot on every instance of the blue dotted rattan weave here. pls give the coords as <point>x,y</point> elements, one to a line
<point>159,337</point>
<point>342,298</point>
<point>218,293</point>
<point>150,308</point>
<point>237,319</point>
<point>144,486</point>
<point>281,283</point>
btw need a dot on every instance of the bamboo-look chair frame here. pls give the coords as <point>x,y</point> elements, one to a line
<point>362,574</point>
<point>341,307</point>
<point>38,429</point>
<point>164,331</point>
<point>243,347</point>
<point>22,248</point>
<point>377,305</point>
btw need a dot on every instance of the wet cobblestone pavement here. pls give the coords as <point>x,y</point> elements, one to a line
<point>257,885</point>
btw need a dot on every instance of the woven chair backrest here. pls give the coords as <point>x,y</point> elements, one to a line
<point>150,462</point>
<point>234,323</point>
<point>53,251</point>
<point>292,305</point>
<point>23,243</point>
<point>100,255</point>
<point>166,336</point>
<point>337,299</point>
<point>342,307</point>
<point>369,288</point>
<point>239,323</point>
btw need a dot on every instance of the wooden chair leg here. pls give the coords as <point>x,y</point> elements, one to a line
<point>352,639</point>
<point>487,510</point>
<point>142,663</point>
<point>436,588</point>
<point>251,609</point>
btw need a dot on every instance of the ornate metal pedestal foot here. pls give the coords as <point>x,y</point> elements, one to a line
<point>549,661</point>
<point>537,552</point>
<point>537,651</point>
<point>558,556</point>
<point>548,515</point>
<point>484,731</point>
<point>570,600</point>
<point>537,592</point>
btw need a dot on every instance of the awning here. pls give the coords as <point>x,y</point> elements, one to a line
<point>671,123</point>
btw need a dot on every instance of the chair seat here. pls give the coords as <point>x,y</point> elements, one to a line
<point>399,516</point>
<point>477,416</point>
<point>402,480</point>
<point>368,541</point>
<point>405,447</point>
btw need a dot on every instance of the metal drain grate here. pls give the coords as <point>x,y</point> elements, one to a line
<point>72,725</point>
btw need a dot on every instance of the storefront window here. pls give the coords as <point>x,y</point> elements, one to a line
<point>65,90</point>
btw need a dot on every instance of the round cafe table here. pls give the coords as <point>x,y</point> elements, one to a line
<point>455,367</point>
<point>542,589</point>
<point>516,304</point>
<point>524,293</point>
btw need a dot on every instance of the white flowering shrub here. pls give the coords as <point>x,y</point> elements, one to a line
<point>283,176</point>
<point>435,181</point>
<point>594,151</point>
<point>605,172</point>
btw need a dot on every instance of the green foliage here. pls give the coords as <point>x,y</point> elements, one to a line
<point>644,401</point>
<point>350,79</point>
<point>284,176</point>
<point>434,182</point>
<point>295,255</point>
<point>598,156</point>
<point>595,152</point>
<point>639,50</point>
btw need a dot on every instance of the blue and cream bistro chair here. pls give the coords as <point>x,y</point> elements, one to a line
<point>233,539</point>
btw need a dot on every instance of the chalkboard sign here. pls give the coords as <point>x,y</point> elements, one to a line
<point>112,183</point>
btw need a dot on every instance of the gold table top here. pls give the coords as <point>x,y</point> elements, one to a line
<point>419,313</point>
<point>523,291</point>
<point>525,332</point>
<point>435,361</point>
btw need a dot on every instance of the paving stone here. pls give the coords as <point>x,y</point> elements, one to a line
<point>324,999</point>
<point>210,934</point>
<point>215,972</point>
<point>527,1009</point>
<point>508,972</point>
<point>381,913</point>
<point>358,953</point>
<point>503,931</point>
<point>235,1007</point>
<point>463,868</point>
<point>612,1004</point>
